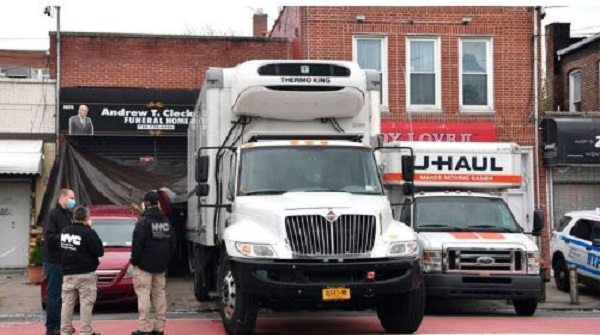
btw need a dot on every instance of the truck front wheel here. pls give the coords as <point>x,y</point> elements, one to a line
<point>403,313</point>
<point>238,309</point>
<point>525,307</point>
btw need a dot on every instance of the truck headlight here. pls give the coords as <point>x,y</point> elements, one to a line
<point>129,271</point>
<point>533,262</point>
<point>403,249</point>
<point>255,250</point>
<point>432,261</point>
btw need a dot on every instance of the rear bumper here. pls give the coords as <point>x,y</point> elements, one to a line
<point>478,287</point>
<point>306,280</point>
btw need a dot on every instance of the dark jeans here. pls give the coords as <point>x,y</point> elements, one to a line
<point>53,302</point>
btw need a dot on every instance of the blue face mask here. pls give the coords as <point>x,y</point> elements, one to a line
<point>71,204</point>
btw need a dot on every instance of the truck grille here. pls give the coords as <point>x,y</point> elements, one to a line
<point>477,260</point>
<point>106,276</point>
<point>313,235</point>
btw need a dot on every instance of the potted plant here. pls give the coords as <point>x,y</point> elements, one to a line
<point>34,270</point>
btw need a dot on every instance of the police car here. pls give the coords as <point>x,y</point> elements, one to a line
<point>576,242</point>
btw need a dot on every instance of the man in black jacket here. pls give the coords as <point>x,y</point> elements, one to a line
<point>80,249</point>
<point>58,218</point>
<point>152,246</point>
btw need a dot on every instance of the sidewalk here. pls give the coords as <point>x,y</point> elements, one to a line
<point>18,298</point>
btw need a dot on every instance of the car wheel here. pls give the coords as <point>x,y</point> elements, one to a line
<point>238,309</point>
<point>561,275</point>
<point>525,307</point>
<point>404,313</point>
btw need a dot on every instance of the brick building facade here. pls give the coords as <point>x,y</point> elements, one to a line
<point>570,57</point>
<point>477,65</point>
<point>153,61</point>
<point>572,121</point>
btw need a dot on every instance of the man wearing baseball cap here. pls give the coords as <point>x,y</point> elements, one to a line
<point>152,246</point>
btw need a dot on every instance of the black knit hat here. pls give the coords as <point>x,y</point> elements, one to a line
<point>152,198</point>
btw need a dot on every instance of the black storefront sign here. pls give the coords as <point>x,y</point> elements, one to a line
<point>128,111</point>
<point>571,141</point>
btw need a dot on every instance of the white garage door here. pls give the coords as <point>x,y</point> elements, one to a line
<point>14,224</point>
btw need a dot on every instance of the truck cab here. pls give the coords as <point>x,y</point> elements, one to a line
<point>475,245</point>
<point>287,205</point>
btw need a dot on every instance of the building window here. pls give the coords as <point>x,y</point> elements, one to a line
<point>476,76</point>
<point>575,91</point>
<point>370,52</point>
<point>423,80</point>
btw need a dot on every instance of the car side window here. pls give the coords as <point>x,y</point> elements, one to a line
<point>582,230</point>
<point>563,223</point>
<point>595,234</point>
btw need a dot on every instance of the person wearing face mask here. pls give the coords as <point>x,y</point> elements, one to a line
<point>58,218</point>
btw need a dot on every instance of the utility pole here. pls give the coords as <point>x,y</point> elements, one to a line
<point>48,11</point>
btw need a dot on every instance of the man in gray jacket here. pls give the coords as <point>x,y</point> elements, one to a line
<point>80,124</point>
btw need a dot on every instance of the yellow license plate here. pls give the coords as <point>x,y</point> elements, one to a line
<point>337,293</point>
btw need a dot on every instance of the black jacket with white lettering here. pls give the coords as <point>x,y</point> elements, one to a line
<point>153,242</point>
<point>80,248</point>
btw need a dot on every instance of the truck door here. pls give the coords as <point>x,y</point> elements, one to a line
<point>581,253</point>
<point>520,200</point>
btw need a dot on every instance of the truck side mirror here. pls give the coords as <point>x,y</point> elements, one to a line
<point>202,190</point>
<point>202,169</point>
<point>408,168</point>
<point>538,222</point>
<point>408,189</point>
<point>596,242</point>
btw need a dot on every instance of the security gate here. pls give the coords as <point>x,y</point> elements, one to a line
<point>14,224</point>
<point>574,188</point>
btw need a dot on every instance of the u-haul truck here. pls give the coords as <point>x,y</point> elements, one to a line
<point>471,205</point>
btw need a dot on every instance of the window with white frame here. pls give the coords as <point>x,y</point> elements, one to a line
<point>575,91</point>
<point>423,80</point>
<point>476,75</point>
<point>370,52</point>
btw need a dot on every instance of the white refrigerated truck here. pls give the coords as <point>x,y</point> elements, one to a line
<point>471,205</point>
<point>287,205</point>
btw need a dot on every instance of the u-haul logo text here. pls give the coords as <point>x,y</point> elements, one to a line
<point>457,163</point>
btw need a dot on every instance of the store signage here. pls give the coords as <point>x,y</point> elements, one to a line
<point>438,132</point>
<point>571,141</point>
<point>135,112</point>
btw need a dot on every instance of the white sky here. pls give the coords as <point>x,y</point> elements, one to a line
<point>24,25</point>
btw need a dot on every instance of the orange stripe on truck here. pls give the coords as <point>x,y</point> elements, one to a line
<point>491,236</point>
<point>464,236</point>
<point>456,178</point>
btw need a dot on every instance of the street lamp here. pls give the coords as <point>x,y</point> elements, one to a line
<point>48,11</point>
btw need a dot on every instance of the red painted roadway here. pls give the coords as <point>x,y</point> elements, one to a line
<point>345,325</point>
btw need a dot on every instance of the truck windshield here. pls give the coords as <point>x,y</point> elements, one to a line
<point>276,170</point>
<point>464,214</point>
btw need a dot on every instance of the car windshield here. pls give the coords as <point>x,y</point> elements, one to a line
<point>464,214</point>
<point>276,170</point>
<point>114,232</point>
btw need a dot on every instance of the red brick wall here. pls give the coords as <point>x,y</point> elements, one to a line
<point>26,58</point>
<point>327,33</point>
<point>122,60</point>
<point>288,26</point>
<point>586,60</point>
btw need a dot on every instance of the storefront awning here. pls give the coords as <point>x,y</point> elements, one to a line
<point>20,157</point>
<point>571,141</point>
